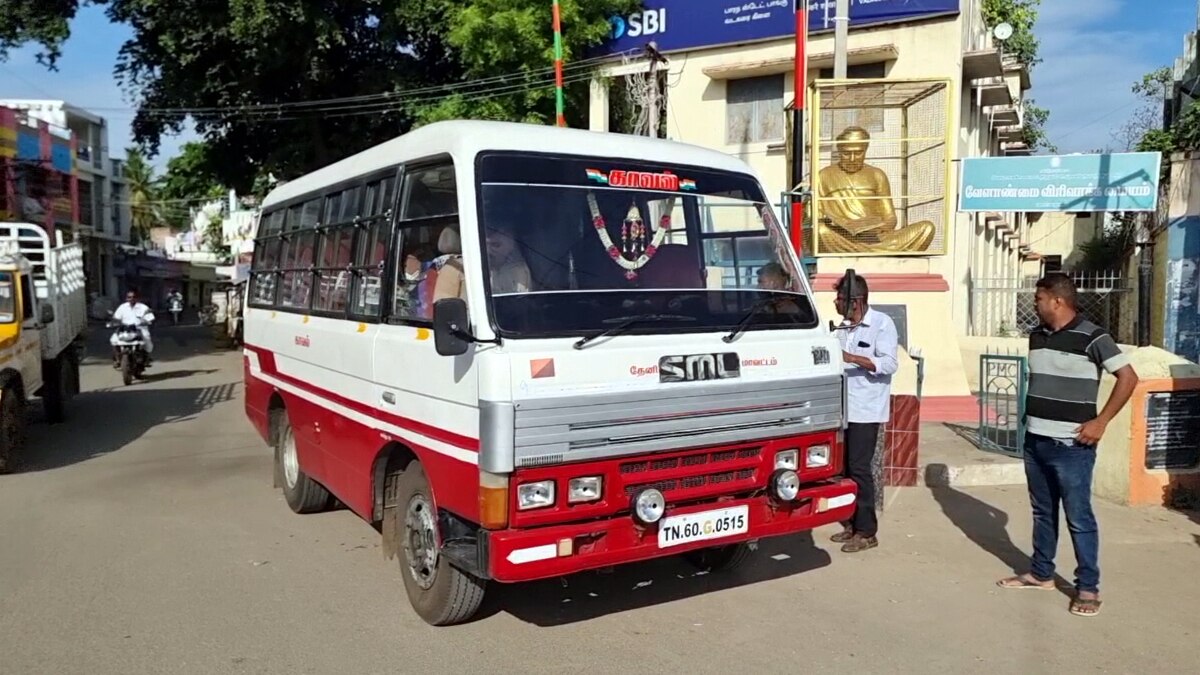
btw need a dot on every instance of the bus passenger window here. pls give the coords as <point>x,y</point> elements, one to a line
<point>417,270</point>
<point>369,258</point>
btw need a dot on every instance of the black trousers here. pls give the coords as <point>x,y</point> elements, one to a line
<point>860,455</point>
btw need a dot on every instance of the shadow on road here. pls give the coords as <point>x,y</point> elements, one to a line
<point>987,527</point>
<point>588,595</point>
<point>104,421</point>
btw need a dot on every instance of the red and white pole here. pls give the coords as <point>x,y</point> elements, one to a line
<point>800,86</point>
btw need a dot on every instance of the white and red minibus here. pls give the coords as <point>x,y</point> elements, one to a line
<point>527,351</point>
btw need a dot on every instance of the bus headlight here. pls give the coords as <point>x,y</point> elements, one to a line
<point>785,484</point>
<point>584,489</point>
<point>817,456</point>
<point>787,459</point>
<point>649,506</point>
<point>535,495</point>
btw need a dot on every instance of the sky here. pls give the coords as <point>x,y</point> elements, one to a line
<point>1092,51</point>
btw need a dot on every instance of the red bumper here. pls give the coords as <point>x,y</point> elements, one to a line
<point>538,553</point>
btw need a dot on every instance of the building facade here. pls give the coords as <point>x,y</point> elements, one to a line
<point>38,181</point>
<point>728,84</point>
<point>103,215</point>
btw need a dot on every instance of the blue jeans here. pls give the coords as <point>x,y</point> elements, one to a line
<point>1060,471</point>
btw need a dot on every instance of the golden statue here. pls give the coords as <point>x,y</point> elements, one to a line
<point>856,212</point>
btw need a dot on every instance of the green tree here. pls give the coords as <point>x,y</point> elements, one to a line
<point>242,70</point>
<point>1151,92</point>
<point>144,204</point>
<point>1035,128</point>
<point>189,181</point>
<point>1022,16</point>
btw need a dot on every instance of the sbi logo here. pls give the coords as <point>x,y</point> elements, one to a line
<point>649,22</point>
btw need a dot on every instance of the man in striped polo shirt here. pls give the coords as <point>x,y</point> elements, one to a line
<point>1062,429</point>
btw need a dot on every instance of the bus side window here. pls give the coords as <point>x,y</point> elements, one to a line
<point>371,252</point>
<point>429,255</point>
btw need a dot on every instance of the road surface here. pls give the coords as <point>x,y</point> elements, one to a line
<point>144,537</point>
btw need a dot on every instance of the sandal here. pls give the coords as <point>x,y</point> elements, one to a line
<point>1085,606</point>
<point>1025,581</point>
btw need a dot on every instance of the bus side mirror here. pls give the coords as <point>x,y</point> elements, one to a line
<point>451,334</point>
<point>47,314</point>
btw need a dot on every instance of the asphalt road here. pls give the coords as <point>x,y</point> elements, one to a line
<point>144,537</point>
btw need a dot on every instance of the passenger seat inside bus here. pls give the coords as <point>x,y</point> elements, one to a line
<point>448,279</point>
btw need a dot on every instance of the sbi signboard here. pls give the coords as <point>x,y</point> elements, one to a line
<point>677,25</point>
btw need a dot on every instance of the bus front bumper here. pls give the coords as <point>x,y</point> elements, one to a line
<point>557,550</point>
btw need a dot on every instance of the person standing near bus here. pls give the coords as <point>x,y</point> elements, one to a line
<point>869,355</point>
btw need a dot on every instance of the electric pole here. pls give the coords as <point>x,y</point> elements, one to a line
<point>799,85</point>
<point>655,59</point>
<point>841,35</point>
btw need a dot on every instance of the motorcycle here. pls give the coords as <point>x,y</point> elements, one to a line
<point>131,346</point>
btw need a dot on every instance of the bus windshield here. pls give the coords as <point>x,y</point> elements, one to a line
<point>574,246</point>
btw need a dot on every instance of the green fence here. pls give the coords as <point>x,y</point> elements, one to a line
<point>1002,383</point>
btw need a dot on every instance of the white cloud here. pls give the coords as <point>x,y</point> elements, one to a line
<point>1090,60</point>
<point>84,78</point>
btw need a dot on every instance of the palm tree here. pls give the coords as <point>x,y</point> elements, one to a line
<point>143,194</point>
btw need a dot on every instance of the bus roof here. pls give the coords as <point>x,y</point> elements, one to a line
<point>465,139</point>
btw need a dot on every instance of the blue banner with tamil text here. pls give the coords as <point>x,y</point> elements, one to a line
<point>1126,181</point>
<point>676,25</point>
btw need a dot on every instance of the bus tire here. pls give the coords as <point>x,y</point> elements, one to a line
<point>719,558</point>
<point>12,427</point>
<point>439,592</point>
<point>303,494</point>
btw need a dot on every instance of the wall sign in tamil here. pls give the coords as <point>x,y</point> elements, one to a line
<point>1173,430</point>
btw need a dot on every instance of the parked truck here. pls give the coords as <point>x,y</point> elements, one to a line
<point>43,314</point>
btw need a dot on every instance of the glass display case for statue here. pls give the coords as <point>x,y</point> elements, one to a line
<point>879,155</point>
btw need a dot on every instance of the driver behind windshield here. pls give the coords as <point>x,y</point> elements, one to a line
<point>509,273</point>
<point>772,277</point>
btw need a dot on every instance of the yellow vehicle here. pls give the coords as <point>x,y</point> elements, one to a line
<point>42,319</point>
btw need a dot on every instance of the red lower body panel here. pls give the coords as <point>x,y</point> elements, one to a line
<point>620,540</point>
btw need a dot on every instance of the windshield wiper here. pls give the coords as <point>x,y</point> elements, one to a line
<point>626,323</point>
<point>757,307</point>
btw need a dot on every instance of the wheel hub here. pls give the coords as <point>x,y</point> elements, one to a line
<point>420,541</point>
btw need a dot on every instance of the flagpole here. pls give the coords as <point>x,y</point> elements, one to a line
<point>559,105</point>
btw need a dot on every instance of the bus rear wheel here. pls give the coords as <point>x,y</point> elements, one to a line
<point>440,593</point>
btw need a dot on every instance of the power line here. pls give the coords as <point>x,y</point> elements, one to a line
<point>383,98</point>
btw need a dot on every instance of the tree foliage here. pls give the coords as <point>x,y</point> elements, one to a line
<point>188,181</point>
<point>1022,16</point>
<point>144,204</point>
<point>1151,91</point>
<point>286,86</point>
<point>1035,128</point>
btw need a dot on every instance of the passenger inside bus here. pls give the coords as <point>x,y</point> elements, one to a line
<point>772,277</point>
<point>509,273</point>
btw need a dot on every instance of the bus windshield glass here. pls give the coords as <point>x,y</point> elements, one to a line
<point>8,299</point>
<point>575,246</point>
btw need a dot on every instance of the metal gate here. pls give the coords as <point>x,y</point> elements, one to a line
<point>1002,382</point>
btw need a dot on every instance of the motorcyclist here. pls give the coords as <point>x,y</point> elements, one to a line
<point>133,313</point>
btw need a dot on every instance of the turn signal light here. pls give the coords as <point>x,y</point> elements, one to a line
<point>493,501</point>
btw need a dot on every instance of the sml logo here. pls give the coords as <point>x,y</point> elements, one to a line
<point>649,22</point>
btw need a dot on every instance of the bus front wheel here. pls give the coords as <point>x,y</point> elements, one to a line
<point>440,593</point>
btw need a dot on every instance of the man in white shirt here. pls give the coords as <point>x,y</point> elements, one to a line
<point>869,354</point>
<point>132,313</point>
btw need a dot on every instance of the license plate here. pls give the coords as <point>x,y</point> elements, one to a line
<point>705,525</point>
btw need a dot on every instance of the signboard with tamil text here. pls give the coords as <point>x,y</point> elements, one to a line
<point>676,25</point>
<point>1063,183</point>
